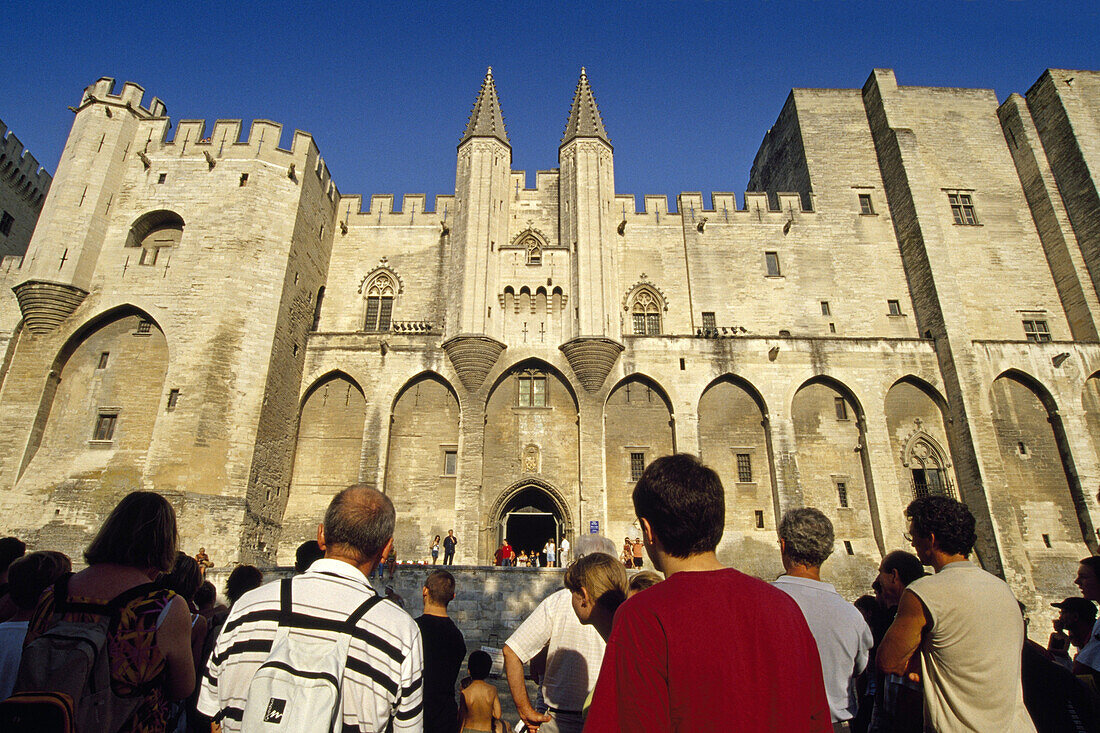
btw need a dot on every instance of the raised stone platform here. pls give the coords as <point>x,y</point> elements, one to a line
<point>489,604</point>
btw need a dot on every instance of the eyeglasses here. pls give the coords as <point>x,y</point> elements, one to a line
<point>907,537</point>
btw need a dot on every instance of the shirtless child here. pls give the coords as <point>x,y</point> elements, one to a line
<point>478,705</point>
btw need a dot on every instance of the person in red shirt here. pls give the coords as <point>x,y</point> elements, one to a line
<point>709,648</point>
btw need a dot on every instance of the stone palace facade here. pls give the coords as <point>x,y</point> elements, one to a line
<point>904,302</point>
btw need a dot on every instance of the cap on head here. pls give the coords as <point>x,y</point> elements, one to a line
<point>1083,607</point>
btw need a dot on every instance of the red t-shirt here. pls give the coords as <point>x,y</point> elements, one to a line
<point>710,651</point>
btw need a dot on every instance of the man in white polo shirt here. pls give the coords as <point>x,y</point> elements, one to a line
<point>573,658</point>
<point>842,635</point>
<point>382,681</point>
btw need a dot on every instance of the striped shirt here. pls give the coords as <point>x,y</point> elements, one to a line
<point>382,680</point>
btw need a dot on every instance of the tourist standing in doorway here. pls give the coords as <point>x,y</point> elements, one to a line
<point>637,552</point>
<point>507,555</point>
<point>435,550</point>
<point>551,553</point>
<point>563,551</point>
<point>449,543</point>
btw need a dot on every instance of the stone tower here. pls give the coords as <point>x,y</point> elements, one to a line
<point>66,245</point>
<point>587,226</point>
<point>480,222</point>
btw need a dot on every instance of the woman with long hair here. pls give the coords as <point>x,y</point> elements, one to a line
<point>149,647</point>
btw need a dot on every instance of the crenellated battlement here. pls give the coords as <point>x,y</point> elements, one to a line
<point>723,205</point>
<point>414,211</point>
<point>225,142</point>
<point>21,168</point>
<point>190,137</point>
<point>103,90</point>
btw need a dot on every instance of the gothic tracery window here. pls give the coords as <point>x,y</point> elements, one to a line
<point>646,314</point>
<point>928,469</point>
<point>534,252</point>
<point>379,304</point>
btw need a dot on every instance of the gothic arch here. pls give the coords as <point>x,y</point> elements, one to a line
<point>647,381</point>
<point>834,468</point>
<point>1028,426</point>
<point>327,449</point>
<point>496,512</point>
<point>838,386</point>
<point>379,289</point>
<point>932,393</point>
<point>735,440</point>
<point>412,381</point>
<point>535,364</point>
<point>96,321</point>
<point>129,382</point>
<point>322,380</point>
<point>1029,381</point>
<point>645,306</point>
<point>744,384</point>
<point>646,285</point>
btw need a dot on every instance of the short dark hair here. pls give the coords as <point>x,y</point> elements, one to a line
<point>907,564</point>
<point>10,549</point>
<point>361,519</point>
<point>243,579</point>
<point>206,595</point>
<point>479,664</point>
<point>807,536</point>
<point>306,554</point>
<point>441,586</point>
<point>184,577</point>
<point>31,574</point>
<point>684,503</point>
<point>140,532</point>
<point>949,520</point>
<point>1092,562</point>
<point>867,605</point>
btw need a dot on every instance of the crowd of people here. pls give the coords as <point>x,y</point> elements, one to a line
<point>136,640</point>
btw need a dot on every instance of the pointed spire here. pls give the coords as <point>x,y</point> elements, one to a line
<point>584,116</point>
<point>486,119</point>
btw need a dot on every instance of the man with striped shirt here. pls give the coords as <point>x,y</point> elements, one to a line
<point>382,684</point>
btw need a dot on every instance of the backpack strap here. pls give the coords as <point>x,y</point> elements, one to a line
<point>286,602</point>
<point>364,607</point>
<point>62,604</point>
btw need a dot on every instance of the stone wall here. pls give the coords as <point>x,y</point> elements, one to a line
<point>23,187</point>
<point>904,319</point>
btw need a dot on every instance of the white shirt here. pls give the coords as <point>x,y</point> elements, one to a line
<point>12,634</point>
<point>575,654</point>
<point>1089,655</point>
<point>842,635</point>
<point>383,678</point>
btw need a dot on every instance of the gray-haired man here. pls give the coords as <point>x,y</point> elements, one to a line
<point>843,637</point>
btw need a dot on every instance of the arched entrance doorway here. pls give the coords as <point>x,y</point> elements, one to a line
<point>529,514</point>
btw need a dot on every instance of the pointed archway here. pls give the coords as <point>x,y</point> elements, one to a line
<point>528,513</point>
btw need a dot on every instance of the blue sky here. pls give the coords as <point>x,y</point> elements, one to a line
<point>687,90</point>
